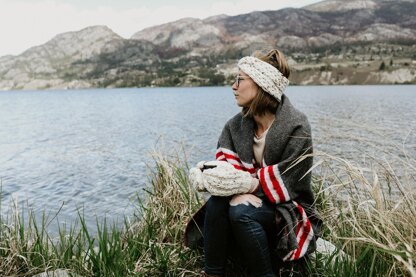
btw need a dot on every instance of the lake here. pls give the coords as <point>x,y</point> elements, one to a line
<point>89,149</point>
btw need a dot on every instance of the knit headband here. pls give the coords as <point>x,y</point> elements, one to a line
<point>268,77</point>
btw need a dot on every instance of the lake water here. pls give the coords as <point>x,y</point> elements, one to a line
<point>89,148</point>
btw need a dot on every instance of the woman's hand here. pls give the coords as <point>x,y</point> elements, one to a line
<point>225,180</point>
<point>246,199</point>
<point>196,178</point>
<point>220,178</point>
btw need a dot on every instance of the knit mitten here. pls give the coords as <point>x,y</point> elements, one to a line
<point>225,180</point>
<point>195,174</point>
<point>196,179</point>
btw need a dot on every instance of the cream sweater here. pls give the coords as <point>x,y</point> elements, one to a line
<point>258,147</point>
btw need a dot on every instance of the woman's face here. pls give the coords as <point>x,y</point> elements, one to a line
<point>245,89</point>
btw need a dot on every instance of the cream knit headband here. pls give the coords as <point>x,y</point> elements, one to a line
<point>268,77</point>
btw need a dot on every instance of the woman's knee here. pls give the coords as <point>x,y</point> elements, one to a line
<point>217,206</point>
<point>239,213</point>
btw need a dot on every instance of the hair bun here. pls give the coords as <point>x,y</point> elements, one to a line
<point>276,59</point>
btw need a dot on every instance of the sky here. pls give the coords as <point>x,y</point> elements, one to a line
<point>27,23</point>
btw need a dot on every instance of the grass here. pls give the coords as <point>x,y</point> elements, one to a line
<point>150,245</point>
<point>365,219</point>
<point>374,229</point>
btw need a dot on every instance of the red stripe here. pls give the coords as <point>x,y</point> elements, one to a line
<point>304,243</point>
<point>297,251</point>
<point>264,186</point>
<point>231,157</point>
<point>276,185</point>
<point>237,167</point>
<point>241,166</point>
<point>250,170</point>
<point>306,231</point>
<point>235,158</point>
<point>293,254</point>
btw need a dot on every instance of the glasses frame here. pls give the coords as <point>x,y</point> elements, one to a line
<point>239,78</point>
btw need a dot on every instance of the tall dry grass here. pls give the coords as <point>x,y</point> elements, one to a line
<point>369,212</point>
<point>169,204</point>
<point>149,244</point>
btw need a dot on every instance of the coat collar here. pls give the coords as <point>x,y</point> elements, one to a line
<point>244,143</point>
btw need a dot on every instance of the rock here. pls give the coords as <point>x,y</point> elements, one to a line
<point>327,248</point>
<point>57,273</point>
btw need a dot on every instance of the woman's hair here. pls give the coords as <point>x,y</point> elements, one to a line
<point>264,102</point>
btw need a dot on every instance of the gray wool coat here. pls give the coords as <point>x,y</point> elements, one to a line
<point>284,177</point>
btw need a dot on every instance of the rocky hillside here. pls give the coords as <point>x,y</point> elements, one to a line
<point>331,42</point>
<point>70,60</point>
<point>334,5</point>
<point>322,24</point>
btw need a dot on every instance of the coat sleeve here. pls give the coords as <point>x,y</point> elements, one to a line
<point>226,152</point>
<point>289,178</point>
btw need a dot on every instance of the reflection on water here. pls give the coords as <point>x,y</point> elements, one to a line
<point>89,148</point>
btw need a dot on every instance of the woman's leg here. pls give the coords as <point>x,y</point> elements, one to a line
<point>252,227</point>
<point>216,234</point>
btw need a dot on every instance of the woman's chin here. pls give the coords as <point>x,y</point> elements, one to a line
<point>242,105</point>
<point>239,103</point>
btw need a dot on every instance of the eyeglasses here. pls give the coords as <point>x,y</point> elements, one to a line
<point>240,78</point>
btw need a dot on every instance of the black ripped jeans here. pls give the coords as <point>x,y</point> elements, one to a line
<point>251,229</point>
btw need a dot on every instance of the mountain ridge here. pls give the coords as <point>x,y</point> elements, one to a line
<point>325,44</point>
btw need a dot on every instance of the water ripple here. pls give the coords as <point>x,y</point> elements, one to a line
<point>88,149</point>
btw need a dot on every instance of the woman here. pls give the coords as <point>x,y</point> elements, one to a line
<point>262,203</point>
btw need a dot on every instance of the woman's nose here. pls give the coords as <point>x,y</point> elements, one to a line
<point>234,86</point>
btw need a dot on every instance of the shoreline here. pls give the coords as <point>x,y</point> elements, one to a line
<point>190,87</point>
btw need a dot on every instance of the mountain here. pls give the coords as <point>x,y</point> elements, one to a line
<point>335,5</point>
<point>330,42</point>
<point>51,63</point>
<point>318,25</point>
